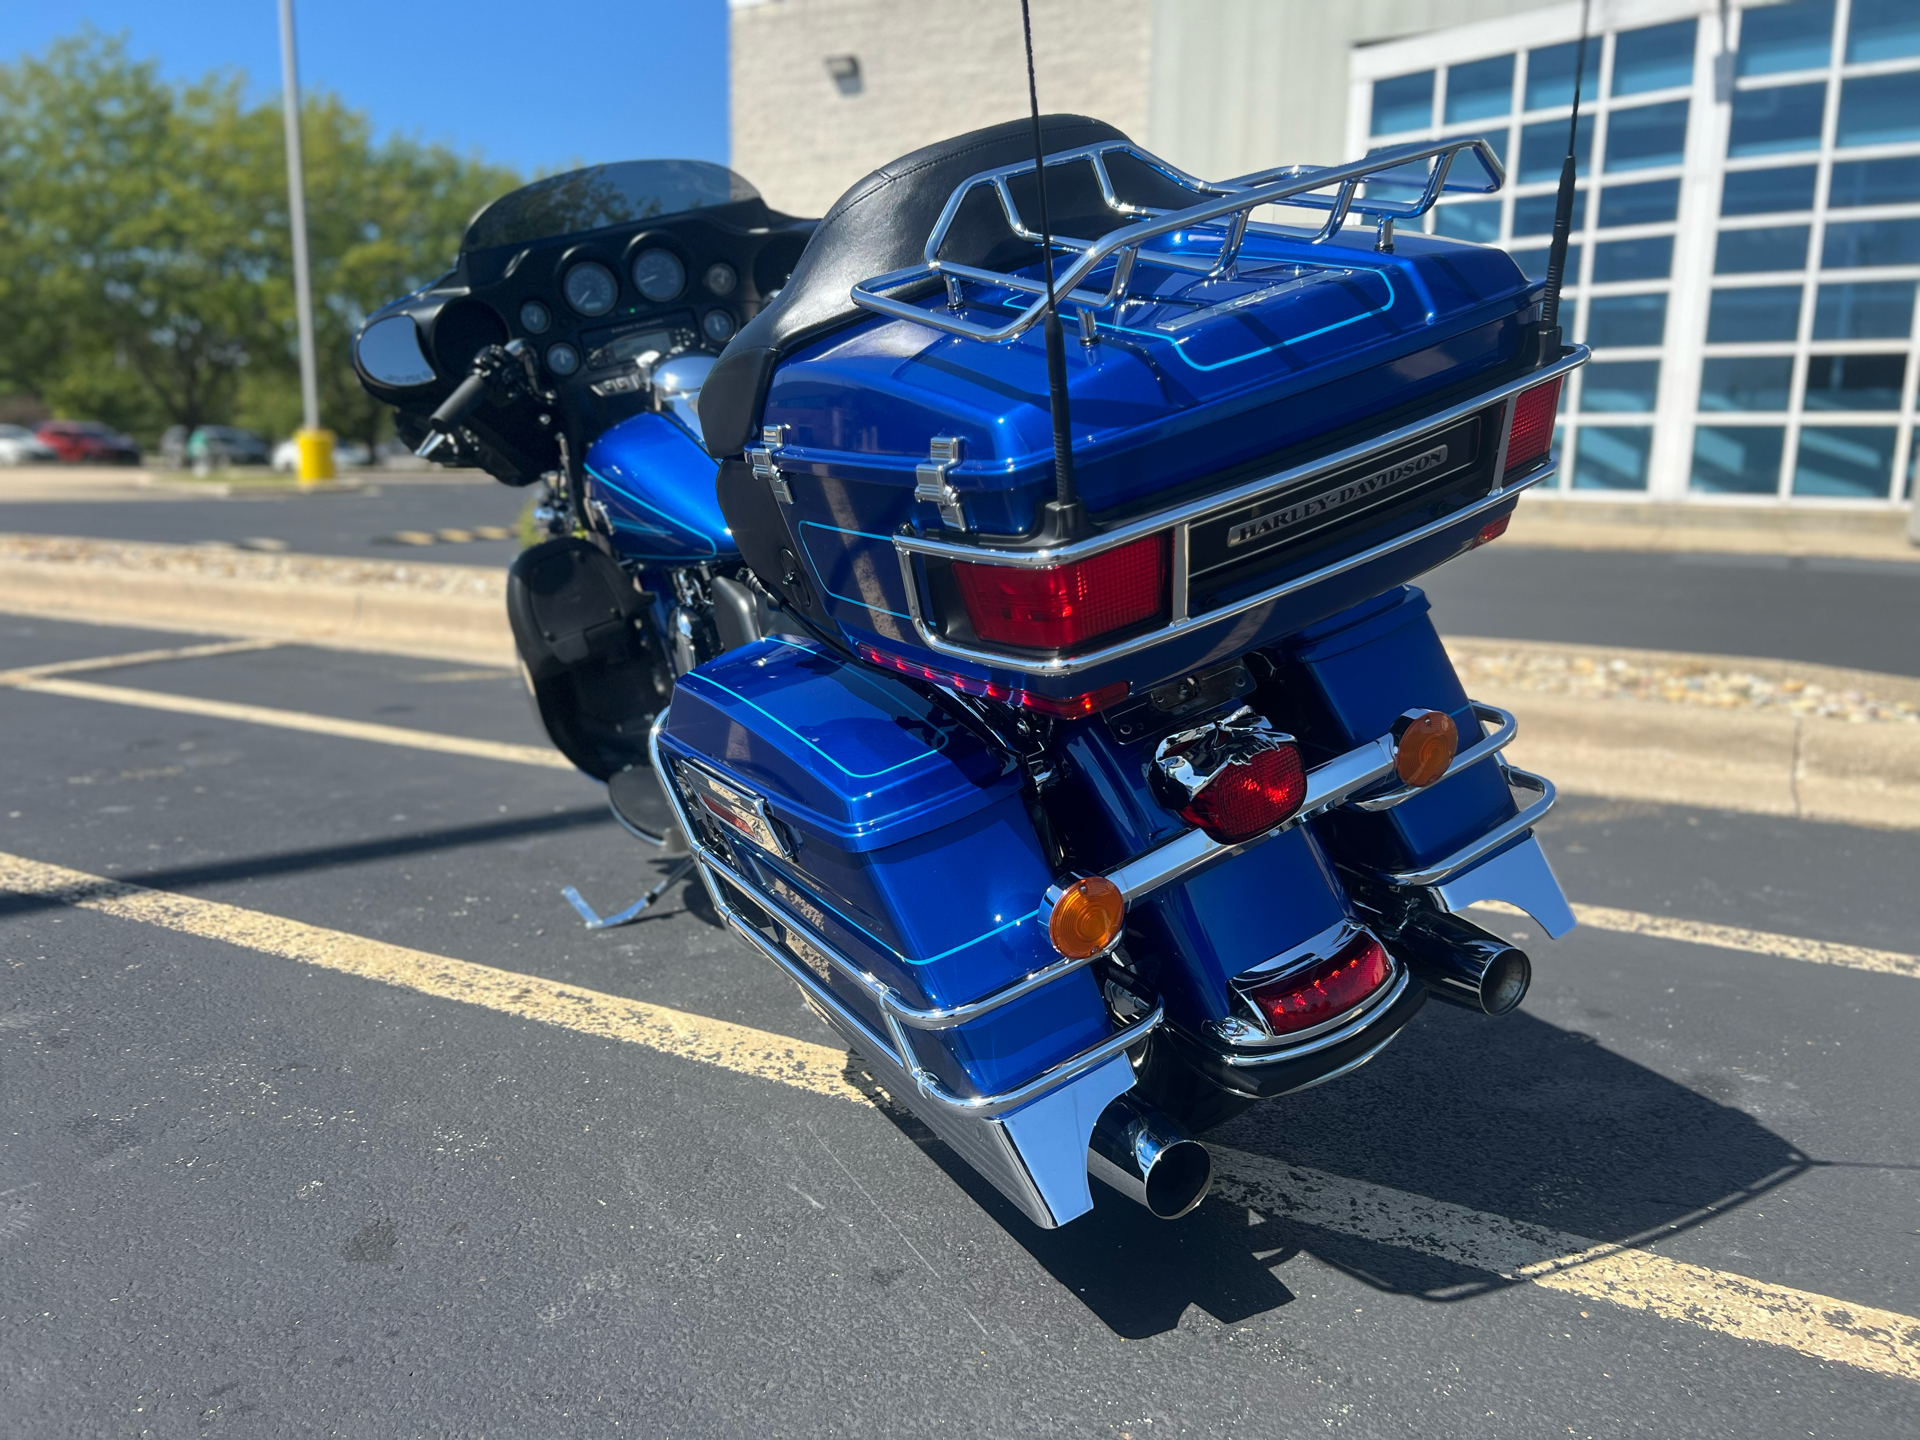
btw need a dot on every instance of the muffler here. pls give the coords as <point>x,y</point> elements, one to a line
<point>1463,964</point>
<point>1148,1158</point>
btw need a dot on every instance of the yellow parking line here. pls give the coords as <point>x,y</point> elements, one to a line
<point>28,673</point>
<point>1733,937</point>
<point>540,755</point>
<point>1881,1341</point>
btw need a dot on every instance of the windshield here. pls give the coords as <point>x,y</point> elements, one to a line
<point>604,195</point>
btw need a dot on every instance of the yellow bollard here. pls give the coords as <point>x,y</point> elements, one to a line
<point>316,456</point>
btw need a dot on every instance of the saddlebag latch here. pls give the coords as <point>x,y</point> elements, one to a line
<point>930,478</point>
<point>766,467</point>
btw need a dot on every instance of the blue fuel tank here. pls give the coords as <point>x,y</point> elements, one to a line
<point>657,486</point>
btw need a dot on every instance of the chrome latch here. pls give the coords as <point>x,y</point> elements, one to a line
<point>766,468</point>
<point>930,477</point>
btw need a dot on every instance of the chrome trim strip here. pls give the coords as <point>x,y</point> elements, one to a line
<point>1490,842</point>
<point>1347,1069</point>
<point>1505,728</point>
<point>1371,1010</point>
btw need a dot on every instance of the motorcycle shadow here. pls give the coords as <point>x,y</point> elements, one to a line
<point>1516,1118</point>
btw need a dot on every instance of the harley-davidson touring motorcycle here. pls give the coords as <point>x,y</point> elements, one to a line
<point>999,594</point>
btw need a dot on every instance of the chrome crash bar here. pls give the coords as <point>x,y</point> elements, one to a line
<point>896,1047</point>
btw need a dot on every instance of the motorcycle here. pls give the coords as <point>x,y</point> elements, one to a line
<point>1013,620</point>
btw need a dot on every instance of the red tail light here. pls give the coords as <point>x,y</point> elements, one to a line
<point>1492,530</point>
<point>1070,707</point>
<point>1531,435</point>
<point>1325,991</point>
<point>1061,606</point>
<point>1250,798</point>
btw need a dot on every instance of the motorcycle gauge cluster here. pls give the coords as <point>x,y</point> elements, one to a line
<point>722,278</point>
<point>590,288</point>
<point>719,326</point>
<point>535,318</point>
<point>562,359</point>
<point>658,275</point>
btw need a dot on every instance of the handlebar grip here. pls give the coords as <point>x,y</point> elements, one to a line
<point>463,402</point>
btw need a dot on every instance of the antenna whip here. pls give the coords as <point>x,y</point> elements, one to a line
<point>1066,514</point>
<point>1563,205</point>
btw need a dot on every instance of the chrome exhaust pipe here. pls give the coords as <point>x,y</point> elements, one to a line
<point>1149,1159</point>
<point>1462,964</point>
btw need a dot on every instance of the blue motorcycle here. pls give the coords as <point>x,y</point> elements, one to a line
<point>1036,679</point>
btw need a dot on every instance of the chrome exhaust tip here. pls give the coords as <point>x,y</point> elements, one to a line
<point>1463,965</point>
<point>1149,1159</point>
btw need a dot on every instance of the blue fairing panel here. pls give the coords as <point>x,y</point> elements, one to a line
<point>657,485</point>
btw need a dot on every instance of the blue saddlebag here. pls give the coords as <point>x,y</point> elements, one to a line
<point>900,838</point>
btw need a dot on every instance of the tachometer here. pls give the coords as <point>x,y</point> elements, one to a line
<point>658,274</point>
<point>590,288</point>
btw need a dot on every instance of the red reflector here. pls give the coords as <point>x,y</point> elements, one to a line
<point>1062,605</point>
<point>1532,433</point>
<point>1074,707</point>
<point>1493,529</point>
<point>1249,799</point>
<point>1325,991</point>
<point>1071,707</point>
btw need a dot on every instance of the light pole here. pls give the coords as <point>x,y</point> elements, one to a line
<point>315,445</point>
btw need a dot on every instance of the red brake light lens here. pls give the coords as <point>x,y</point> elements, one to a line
<point>1532,433</point>
<point>1325,991</point>
<point>1061,606</point>
<point>1249,799</point>
<point>1070,707</point>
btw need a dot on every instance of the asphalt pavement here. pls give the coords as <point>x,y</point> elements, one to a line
<point>245,1196</point>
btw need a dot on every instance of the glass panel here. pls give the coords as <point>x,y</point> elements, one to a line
<point>1647,259</point>
<point>1872,242</point>
<point>1883,30</point>
<point>1626,320</point>
<point>1533,214</point>
<point>1613,457</point>
<point>1774,38</point>
<point>1759,192</point>
<point>1533,263</point>
<point>1746,382</point>
<point>1737,460</point>
<point>1403,103</point>
<point>1543,147</point>
<point>1880,109</point>
<point>1855,461</point>
<point>1854,382</point>
<point>1648,203</point>
<point>1875,182</point>
<point>1619,384</point>
<point>1647,135</point>
<point>1864,310</point>
<point>1550,74</point>
<point>1481,89</point>
<point>1657,58</point>
<point>1763,312</point>
<point>1780,117</point>
<point>1478,220</point>
<point>1771,247</point>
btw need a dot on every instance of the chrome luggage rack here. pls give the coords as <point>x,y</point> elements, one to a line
<point>1227,205</point>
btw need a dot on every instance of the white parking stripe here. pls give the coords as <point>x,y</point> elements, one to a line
<point>136,657</point>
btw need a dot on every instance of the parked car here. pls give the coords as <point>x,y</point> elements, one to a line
<point>88,442</point>
<point>214,447</point>
<point>286,455</point>
<point>20,446</point>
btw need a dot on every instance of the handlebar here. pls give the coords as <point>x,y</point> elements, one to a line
<point>507,367</point>
<point>463,402</point>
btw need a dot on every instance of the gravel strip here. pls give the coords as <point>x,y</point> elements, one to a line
<point>221,562</point>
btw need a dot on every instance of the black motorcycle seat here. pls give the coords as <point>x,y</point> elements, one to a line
<point>881,224</point>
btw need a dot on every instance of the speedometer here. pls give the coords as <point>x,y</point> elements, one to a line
<point>590,288</point>
<point>658,274</point>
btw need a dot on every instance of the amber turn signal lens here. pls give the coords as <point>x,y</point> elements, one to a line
<point>1087,917</point>
<point>1424,746</point>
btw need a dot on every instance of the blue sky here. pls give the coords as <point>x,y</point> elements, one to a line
<point>540,85</point>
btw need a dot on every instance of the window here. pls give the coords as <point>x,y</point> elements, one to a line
<point>1737,459</point>
<point>1775,38</point>
<point>1481,89</point>
<point>1650,258</point>
<point>1882,30</point>
<point>1533,214</point>
<point>1648,203</point>
<point>1647,135</point>
<point>1780,117</point>
<point>1880,109</point>
<point>1759,192</point>
<point>1872,242</point>
<point>1745,382</point>
<point>1875,182</point>
<point>1478,220</point>
<point>1608,385</point>
<point>1626,320</point>
<point>1403,103</point>
<point>1613,457</point>
<point>1853,461</point>
<point>1544,146</point>
<point>1533,263</point>
<point>1864,310</point>
<point>1550,74</point>
<point>1855,382</point>
<point>1659,57</point>
<point>1761,312</point>
<point>1772,247</point>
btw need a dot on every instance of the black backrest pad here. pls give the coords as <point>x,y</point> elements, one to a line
<point>881,224</point>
